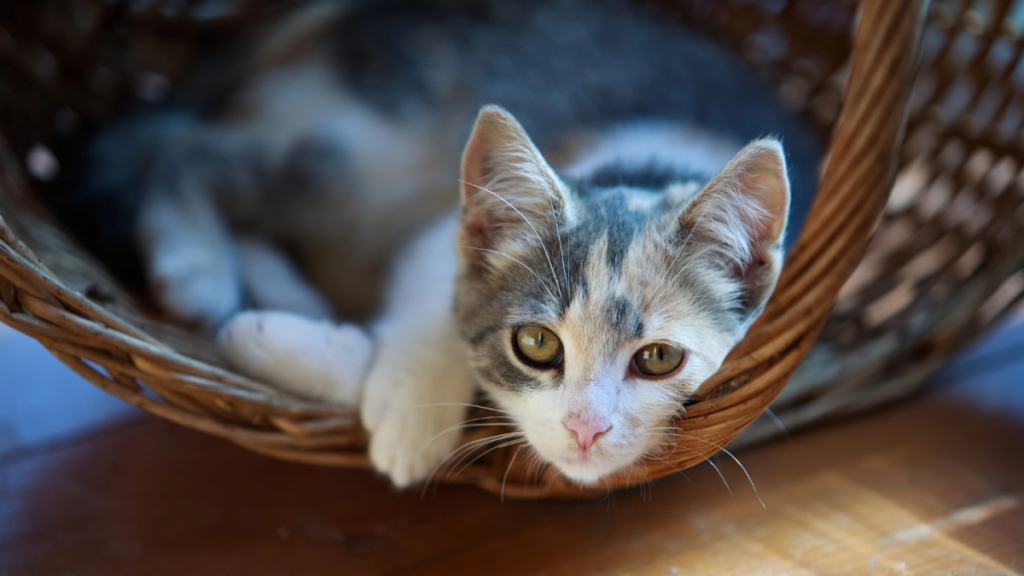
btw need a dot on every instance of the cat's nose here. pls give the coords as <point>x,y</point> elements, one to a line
<point>586,432</point>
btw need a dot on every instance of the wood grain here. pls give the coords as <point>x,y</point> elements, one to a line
<point>931,486</point>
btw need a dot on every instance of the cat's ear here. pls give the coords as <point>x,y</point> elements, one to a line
<point>506,183</point>
<point>739,219</point>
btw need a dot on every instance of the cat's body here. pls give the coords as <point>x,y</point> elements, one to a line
<point>344,138</point>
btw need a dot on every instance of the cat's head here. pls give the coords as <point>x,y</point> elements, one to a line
<point>591,318</point>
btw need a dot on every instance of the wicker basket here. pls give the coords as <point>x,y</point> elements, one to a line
<point>946,258</point>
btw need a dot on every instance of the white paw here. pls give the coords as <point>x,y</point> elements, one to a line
<point>314,359</point>
<point>409,439</point>
<point>193,284</point>
<point>415,401</point>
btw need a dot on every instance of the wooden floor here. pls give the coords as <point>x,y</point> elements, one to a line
<point>934,485</point>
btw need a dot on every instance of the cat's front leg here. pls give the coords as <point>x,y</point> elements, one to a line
<point>416,396</point>
<point>315,359</point>
<point>418,387</point>
<point>413,398</point>
<point>190,258</point>
<point>190,255</point>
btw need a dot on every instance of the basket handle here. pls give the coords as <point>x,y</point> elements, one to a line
<point>859,174</point>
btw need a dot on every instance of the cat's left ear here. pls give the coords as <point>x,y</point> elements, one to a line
<point>507,187</point>
<point>739,219</point>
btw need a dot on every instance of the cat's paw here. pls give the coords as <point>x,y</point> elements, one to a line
<point>412,428</point>
<point>192,284</point>
<point>311,358</point>
<point>409,442</point>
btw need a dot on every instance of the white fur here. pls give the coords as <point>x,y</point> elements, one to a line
<point>273,282</point>
<point>380,153</point>
<point>640,144</point>
<point>370,203</point>
<point>313,359</point>
<point>190,265</point>
<point>598,384</point>
<point>736,213</point>
<point>408,371</point>
<point>415,390</point>
<point>391,178</point>
<point>420,383</point>
<point>745,207</point>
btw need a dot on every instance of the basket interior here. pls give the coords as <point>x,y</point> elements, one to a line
<point>79,63</point>
<point>945,262</point>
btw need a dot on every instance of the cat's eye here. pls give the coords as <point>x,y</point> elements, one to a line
<point>539,345</point>
<point>658,359</point>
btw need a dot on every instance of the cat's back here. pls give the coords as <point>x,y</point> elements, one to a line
<point>563,68</point>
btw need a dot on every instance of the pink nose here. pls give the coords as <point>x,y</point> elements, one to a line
<point>586,433</point>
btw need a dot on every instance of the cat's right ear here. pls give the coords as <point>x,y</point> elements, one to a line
<point>739,219</point>
<point>509,192</point>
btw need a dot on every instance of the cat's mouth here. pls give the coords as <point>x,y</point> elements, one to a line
<point>582,458</point>
<point>589,466</point>
<point>603,458</point>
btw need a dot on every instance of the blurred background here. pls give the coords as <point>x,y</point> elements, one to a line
<point>932,484</point>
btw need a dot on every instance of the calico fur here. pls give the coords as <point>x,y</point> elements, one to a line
<point>617,188</point>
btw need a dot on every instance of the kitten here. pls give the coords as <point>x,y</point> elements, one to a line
<point>614,238</point>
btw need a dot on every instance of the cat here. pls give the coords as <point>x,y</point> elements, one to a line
<point>617,222</point>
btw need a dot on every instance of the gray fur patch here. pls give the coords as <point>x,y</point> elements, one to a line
<point>504,372</point>
<point>624,318</point>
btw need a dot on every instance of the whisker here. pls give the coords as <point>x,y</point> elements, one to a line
<point>609,495</point>
<point>492,449</point>
<point>665,284</point>
<point>551,482</point>
<point>650,481</point>
<point>529,467</point>
<point>695,226</point>
<point>720,475</point>
<point>463,404</point>
<point>469,447</point>
<point>735,459</point>
<point>542,244</point>
<point>643,497</point>
<point>533,467</point>
<point>642,484</point>
<point>459,427</point>
<point>434,470</point>
<point>629,478</point>
<point>778,422</point>
<point>463,426</point>
<point>542,283</point>
<point>417,407</point>
<point>561,252</point>
<point>707,458</point>
<point>742,467</point>
<point>674,446</point>
<point>507,470</point>
<point>686,264</point>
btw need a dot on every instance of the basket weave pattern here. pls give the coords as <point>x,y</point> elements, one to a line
<point>945,262</point>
